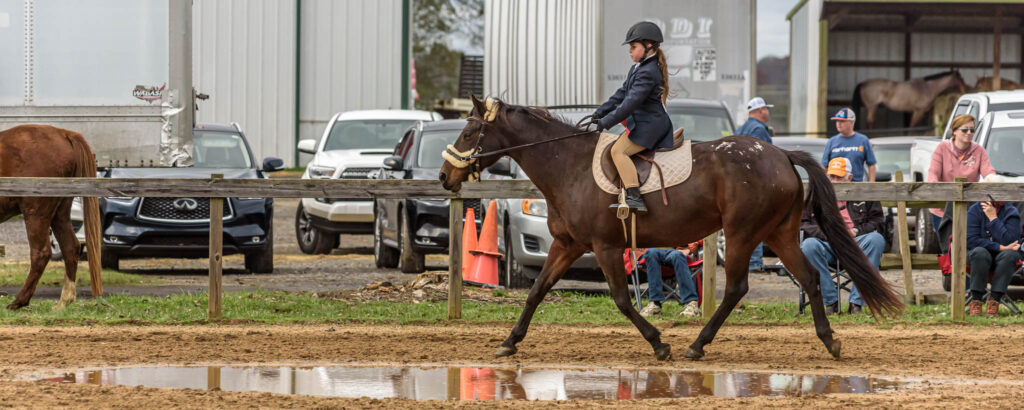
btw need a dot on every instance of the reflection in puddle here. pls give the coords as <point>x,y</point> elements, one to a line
<point>466,383</point>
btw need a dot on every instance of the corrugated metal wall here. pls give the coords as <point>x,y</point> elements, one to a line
<point>924,47</point>
<point>244,58</point>
<point>803,68</point>
<point>351,52</point>
<point>542,52</point>
<point>351,59</point>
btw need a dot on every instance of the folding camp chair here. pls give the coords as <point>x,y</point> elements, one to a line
<point>634,270</point>
<point>838,275</point>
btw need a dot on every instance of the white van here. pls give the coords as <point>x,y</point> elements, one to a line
<point>353,144</point>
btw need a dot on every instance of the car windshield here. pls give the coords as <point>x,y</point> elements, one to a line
<point>701,124</point>
<point>1006,106</point>
<point>892,158</point>
<point>214,149</point>
<point>432,144</point>
<point>1005,147</point>
<point>366,134</point>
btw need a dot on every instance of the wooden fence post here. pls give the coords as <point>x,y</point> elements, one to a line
<point>904,242</point>
<point>455,224</point>
<point>216,251</point>
<point>708,280</point>
<point>959,252</point>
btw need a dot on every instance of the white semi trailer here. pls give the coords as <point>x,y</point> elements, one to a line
<point>117,71</point>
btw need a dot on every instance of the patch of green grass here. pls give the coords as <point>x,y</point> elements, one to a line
<point>273,307</point>
<point>14,274</point>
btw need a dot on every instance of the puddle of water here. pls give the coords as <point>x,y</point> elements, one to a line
<point>471,383</point>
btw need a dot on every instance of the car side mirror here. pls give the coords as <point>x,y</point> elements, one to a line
<point>307,146</point>
<point>393,163</point>
<point>273,164</point>
<point>503,167</point>
<point>882,176</point>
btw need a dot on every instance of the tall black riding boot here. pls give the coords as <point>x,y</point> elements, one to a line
<point>634,201</point>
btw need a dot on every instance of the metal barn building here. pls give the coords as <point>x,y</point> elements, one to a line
<point>836,44</point>
<point>353,54</point>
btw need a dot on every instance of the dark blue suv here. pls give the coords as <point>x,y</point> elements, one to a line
<point>180,227</point>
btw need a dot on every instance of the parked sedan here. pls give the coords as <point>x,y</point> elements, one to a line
<point>180,227</point>
<point>404,230</point>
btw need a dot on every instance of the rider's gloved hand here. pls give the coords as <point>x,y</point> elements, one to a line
<point>595,122</point>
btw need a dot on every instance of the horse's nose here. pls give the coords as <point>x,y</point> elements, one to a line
<point>443,177</point>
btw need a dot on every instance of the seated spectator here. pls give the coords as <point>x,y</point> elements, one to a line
<point>865,222</point>
<point>684,282</point>
<point>993,237</point>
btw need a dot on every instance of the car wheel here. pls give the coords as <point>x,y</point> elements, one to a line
<point>55,254</point>
<point>927,240</point>
<point>510,271</point>
<point>262,261</point>
<point>110,260</point>
<point>383,255</point>
<point>311,240</point>
<point>409,261</point>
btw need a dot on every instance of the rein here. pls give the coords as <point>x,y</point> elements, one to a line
<point>468,159</point>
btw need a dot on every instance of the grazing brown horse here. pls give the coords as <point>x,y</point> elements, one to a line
<point>740,184</point>
<point>45,151</point>
<point>915,95</point>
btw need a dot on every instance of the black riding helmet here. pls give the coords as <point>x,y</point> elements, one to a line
<point>644,30</point>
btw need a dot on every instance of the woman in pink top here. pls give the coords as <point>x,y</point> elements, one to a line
<point>958,157</point>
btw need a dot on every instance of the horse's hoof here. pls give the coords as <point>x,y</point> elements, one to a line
<point>693,354</point>
<point>505,351</point>
<point>835,348</point>
<point>664,352</point>
<point>16,305</point>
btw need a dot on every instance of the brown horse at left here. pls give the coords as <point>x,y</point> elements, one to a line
<point>42,151</point>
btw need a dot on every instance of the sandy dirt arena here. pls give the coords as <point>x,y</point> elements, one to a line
<point>957,366</point>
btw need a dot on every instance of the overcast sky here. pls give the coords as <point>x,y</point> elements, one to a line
<point>772,27</point>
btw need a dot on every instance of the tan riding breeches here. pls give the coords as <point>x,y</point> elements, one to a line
<point>621,151</point>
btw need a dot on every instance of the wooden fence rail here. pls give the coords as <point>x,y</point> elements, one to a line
<point>911,194</point>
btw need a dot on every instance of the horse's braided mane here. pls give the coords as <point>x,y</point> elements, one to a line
<point>539,113</point>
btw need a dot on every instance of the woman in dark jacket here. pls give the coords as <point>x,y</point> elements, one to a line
<point>640,102</point>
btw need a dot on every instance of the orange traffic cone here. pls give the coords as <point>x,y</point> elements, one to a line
<point>485,265</point>
<point>468,242</point>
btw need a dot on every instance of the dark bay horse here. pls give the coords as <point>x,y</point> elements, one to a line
<point>45,151</point>
<point>916,95</point>
<point>741,185</point>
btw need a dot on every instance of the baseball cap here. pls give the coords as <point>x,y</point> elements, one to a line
<point>839,166</point>
<point>845,114</point>
<point>757,102</point>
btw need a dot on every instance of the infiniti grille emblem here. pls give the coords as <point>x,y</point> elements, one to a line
<point>185,204</point>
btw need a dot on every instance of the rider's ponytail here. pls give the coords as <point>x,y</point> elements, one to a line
<point>663,65</point>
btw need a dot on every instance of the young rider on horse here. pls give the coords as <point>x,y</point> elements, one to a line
<point>641,103</point>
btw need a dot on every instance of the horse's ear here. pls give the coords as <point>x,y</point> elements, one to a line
<point>478,105</point>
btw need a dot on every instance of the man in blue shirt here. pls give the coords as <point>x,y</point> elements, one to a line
<point>851,145</point>
<point>756,126</point>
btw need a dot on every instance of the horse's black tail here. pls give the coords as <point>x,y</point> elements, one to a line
<point>875,290</point>
<point>857,102</point>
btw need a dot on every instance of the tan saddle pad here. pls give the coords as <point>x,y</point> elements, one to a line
<point>676,163</point>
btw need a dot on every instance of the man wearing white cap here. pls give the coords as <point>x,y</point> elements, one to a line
<point>757,125</point>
